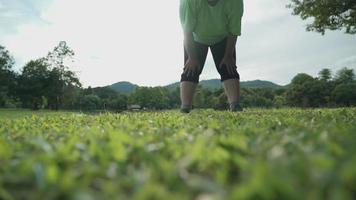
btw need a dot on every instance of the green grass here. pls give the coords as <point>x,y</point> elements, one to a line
<point>20,113</point>
<point>257,154</point>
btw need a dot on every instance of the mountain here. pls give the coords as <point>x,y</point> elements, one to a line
<point>127,87</point>
<point>123,87</point>
<point>211,84</point>
<point>260,84</point>
<point>216,84</point>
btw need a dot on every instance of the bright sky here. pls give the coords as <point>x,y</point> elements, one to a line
<point>141,41</point>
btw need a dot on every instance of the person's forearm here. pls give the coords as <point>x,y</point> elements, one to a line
<point>189,45</point>
<point>230,45</point>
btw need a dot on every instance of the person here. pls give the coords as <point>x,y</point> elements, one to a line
<point>213,24</point>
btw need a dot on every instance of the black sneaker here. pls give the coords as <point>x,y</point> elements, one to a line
<point>236,108</point>
<point>185,110</point>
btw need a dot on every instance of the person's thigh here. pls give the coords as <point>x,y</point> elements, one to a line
<point>218,52</point>
<point>202,52</point>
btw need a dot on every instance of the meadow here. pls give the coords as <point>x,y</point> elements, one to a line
<point>205,155</point>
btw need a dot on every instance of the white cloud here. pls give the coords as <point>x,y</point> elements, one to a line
<point>349,61</point>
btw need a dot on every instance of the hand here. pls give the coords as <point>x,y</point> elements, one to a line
<point>191,67</point>
<point>229,62</point>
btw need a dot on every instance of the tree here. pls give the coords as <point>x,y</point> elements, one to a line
<point>345,94</point>
<point>110,99</point>
<point>33,83</point>
<point>220,100</point>
<point>7,76</point>
<point>345,75</point>
<point>201,97</point>
<point>150,97</point>
<point>90,102</point>
<point>325,75</point>
<point>327,14</point>
<point>305,91</point>
<point>118,103</point>
<point>279,101</point>
<point>61,79</point>
<point>174,98</point>
<point>257,97</point>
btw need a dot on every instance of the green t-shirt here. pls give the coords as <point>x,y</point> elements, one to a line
<point>210,24</point>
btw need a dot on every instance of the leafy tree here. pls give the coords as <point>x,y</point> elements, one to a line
<point>159,98</point>
<point>326,85</point>
<point>110,99</point>
<point>345,75</point>
<point>71,97</point>
<point>90,102</point>
<point>174,98</point>
<point>303,91</point>
<point>33,83</point>
<point>6,60</point>
<point>279,101</point>
<point>202,97</point>
<point>327,14</point>
<point>325,75</point>
<point>345,94</point>
<point>118,103</point>
<point>7,76</point>
<point>140,96</point>
<point>220,100</point>
<point>60,77</point>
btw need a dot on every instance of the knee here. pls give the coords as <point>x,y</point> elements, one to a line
<point>191,77</point>
<point>225,75</point>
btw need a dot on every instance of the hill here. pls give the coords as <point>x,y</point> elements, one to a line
<point>123,87</point>
<point>127,87</point>
<point>260,84</point>
<point>216,84</point>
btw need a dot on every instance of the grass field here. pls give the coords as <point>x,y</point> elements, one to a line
<point>257,154</point>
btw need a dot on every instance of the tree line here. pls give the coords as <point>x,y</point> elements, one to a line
<point>47,83</point>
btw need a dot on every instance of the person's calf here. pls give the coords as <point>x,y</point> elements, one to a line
<point>232,90</point>
<point>187,90</point>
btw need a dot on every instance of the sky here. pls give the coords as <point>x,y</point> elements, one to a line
<point>141,41</point>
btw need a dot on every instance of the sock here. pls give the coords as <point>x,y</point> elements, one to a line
<point>235,106</point>
<point>186,107</point>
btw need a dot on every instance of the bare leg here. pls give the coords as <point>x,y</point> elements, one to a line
<point>232,91</point>
<point>187,90</point>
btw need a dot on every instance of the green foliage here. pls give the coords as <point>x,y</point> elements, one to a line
<point>90,102</point>
<point>345,76</point>
<point>6,60</point>
<point>48,82</point>
<point>257,97</point>
<point>33,83</point>
<point>325,75</point>
<point>345,94</point>
<point>327,14</point>
<point>61,79</point>
<point>306,91</point>
<point>150,97</point>
<point>7,77</point>
<point>257,154</point>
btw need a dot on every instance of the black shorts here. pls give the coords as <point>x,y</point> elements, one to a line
<point>218,52</point>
